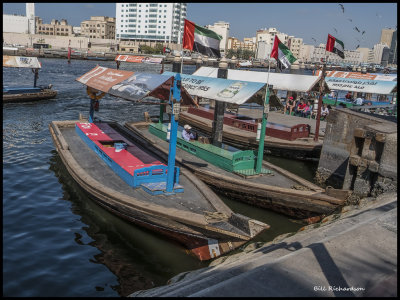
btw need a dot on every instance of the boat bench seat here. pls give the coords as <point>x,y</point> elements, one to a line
<point>104,136</point>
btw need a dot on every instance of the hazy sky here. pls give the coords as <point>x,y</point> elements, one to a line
<point>303,20</point>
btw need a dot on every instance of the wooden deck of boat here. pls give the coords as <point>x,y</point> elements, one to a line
<point>274,180</point>
<point>190,200</point>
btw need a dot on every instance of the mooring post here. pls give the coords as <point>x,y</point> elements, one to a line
<point>36,72</point>
<point>176,63</point>
<point>219,109</point>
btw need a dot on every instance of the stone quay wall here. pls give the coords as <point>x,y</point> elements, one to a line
<point>359,153</point>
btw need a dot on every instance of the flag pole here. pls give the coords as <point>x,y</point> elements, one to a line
<point>260,154</point>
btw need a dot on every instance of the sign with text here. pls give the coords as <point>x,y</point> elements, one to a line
<point>361,85</point>
<point>21,62</point>
<point>225,90</point>
<point>358,75</point>
<point>102,79</point>
<point>138,59</point>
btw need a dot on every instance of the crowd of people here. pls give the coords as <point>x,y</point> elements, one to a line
<point>304,108</point>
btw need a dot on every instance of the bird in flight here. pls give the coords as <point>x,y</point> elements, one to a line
<point>357,46</point>
<point>335,29</point>
<point>314,39</point>
<point>342,7</point>
<point>350,20</point>
<point>363,32</point>
<point>357,29</point>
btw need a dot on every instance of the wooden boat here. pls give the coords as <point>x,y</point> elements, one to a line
<point>16,95</point>
<point>304,148</point>
<point>130,181</point>
<point>279,190</point>
<point>25,94</point>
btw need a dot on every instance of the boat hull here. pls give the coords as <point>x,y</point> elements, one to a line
<point>303,200</point>
<point>197,233</point>
<point>29,97</point>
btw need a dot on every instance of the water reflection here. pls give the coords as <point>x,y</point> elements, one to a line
<point>139,258</point>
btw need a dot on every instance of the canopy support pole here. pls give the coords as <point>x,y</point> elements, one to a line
<point>260,154</point>
<point>219,109</point>
<point>175,96</point>
<point>321,95</point>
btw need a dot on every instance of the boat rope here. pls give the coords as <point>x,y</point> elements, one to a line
<point>215,216</point>
<point>300,187</point>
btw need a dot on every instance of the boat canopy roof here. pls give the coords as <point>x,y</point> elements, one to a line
<point>279,81</point>
<point>21,62</point>
<point>132,86</point>
<point>361,83</point>
<point>139,59</point>
<point>224,90</point>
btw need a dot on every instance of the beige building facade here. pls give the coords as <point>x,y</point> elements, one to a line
<point>99,28</point>
<point>386,36</point>
<point>54,28</point>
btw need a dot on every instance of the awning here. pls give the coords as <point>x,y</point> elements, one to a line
<point>225,90</point>
<point>139,59</point>
<point>132,86</point>
<point>280,81</point>
<point>21,62</point>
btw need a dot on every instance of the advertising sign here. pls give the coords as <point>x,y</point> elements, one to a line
<point>361,85</point>
<point>358,75</point>
<point>102,79</point>
<point>225,90</point>
<point>21,62</point>
<point>139,59</point>
<point>138,86</point>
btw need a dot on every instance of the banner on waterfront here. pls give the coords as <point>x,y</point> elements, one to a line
<point>358,75</point>
<point>102,79</point>
<point>225,90</point>
<point>361,85</point>
<point>279,81</point>
<point>139,59</point>
<point>21,62</point>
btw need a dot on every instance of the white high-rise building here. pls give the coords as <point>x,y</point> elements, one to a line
<point>30,14</point>
<point>162,22</point>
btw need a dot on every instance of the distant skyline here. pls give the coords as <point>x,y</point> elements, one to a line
<point>310,21</point>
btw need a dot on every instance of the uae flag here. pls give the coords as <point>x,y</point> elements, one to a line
<point>200,39</point>
<point>335,46</point>
<point>284,58</point>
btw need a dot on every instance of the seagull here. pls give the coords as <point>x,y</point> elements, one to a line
<point>350,20</point>
<point>357,46</point>
<point>335,29</point>
<point>357,29</point>
<point>363,32</point>
<point>314,39</point>
<point>342,7</point>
